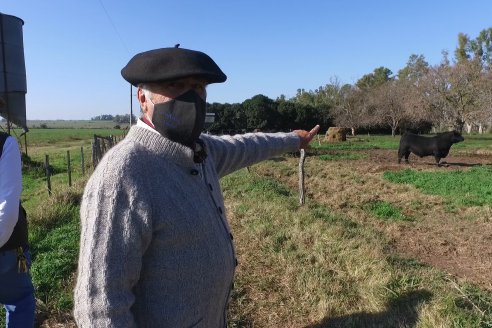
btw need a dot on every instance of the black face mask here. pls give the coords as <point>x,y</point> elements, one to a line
<point>181,119</point>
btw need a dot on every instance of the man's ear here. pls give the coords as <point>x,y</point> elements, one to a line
<point>141,99</point>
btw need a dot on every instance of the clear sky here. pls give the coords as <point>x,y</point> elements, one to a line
<point>75,49</point>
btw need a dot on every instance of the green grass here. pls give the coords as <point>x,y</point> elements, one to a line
<point>471,187</point>
<point>387,211</point>
<point>66,137</point>
<point>475,141</point>
<point>360,143</point>
<point>71,124</point>
<point>364,142</point>
<point>55,253</point>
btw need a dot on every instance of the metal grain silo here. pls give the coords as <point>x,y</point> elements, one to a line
<point>13,85</point>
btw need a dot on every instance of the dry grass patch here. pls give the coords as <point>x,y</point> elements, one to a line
<point>301,266</point>
<point>332,263</point>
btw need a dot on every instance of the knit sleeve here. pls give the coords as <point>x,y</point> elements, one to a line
<point>116,230</point>
<point>231,153</point>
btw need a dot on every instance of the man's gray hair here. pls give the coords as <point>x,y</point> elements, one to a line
<point>146,90</point>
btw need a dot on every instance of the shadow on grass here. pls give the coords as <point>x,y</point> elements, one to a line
<point>444,164</point>
<point>400,312</point>
<point>461,164</point>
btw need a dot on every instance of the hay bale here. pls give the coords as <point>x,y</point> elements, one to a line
<point>336,134</point>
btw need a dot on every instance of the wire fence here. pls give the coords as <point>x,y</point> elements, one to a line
<point>64,166</point>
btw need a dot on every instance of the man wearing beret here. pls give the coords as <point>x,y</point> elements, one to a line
<point>156,249</point>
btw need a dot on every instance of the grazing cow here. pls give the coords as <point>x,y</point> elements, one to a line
<point>438,146</point>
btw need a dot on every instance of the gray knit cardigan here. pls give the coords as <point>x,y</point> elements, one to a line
<point>155,248</point>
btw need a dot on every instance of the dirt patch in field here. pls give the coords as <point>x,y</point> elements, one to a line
<point>458,241</point>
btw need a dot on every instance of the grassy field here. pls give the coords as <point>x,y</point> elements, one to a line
<point>329,263</point>
<point>70,124</point>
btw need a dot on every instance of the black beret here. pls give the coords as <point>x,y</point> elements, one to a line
<point>168,64</point>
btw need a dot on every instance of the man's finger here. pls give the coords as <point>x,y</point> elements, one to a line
<point>314,131</point>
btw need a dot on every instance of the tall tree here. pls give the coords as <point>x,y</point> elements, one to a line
<point>260,112</point>
<point>389,104</point>
<point>417,67</point>
<point>228,117</point>
<point>462,51</point>
<point>479,48</point>
<point>453,93</point>
<point>350,110</point>
<point>380,76</point>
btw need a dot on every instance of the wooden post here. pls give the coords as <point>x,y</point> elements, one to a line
<point>94,153</point>
<point>48,173</point>
<point>25,142</point>
<point>95,146</point>
<point>69,169</point>
<point>82,159</point>
<point>301,176</point>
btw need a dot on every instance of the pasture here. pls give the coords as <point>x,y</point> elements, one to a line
<point>377,244</point>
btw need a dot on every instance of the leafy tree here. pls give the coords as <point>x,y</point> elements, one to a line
<point>479,49</point>
<point>304,97</point>
<point>324,96</point>
<point>462,51</point>
<point>124,118</point>
<point>416,69</point>
<point>288,113</point>
<point>380,76</point>
<point>260,112</point>
<point>104,117</point>
<point>228,117</point>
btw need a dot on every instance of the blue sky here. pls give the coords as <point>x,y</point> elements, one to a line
<point>74,50</point>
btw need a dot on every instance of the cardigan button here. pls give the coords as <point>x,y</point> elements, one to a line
<point>220,210</point>
<point>194,172</point>
<point>230,235</point>
<point>210,186</point>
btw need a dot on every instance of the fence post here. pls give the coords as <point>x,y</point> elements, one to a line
<point>82,159</point>
<point>48,173</point>
<point>94,153</point>
<point>301,176</point>
<point>25,142</point>
<point>69,169</point>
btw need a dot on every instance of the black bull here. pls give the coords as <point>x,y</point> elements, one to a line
<point>438,146</point>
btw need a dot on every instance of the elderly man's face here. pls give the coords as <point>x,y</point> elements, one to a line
<point>166,91</point>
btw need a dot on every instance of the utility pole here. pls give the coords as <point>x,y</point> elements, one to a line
<point>131,106</point>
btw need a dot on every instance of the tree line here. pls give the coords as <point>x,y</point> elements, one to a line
<point>454,94</point>
<point>115,118</point>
